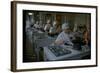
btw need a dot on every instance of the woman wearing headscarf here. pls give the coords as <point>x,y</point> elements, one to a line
<point>65,36</point>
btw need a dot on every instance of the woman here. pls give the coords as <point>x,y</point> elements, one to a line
<point>47,26</point>
<point>86,36</point>
<point>64,37</point>
<point>55,29</point>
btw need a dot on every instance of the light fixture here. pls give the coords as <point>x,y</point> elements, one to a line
<point>30,13</point>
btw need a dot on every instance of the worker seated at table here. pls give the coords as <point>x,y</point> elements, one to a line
<point>64,37</point>
<point>83,33</point>
<point>47,26</point>
<point>82,37</point>
<point>55,29</point>
<point>87,36</point>
<point>36,25</point>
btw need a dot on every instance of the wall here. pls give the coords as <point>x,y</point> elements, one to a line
<point>5,37</point>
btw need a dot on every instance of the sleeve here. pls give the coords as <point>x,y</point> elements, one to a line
<point>59,37</point>
<point>45,28</point>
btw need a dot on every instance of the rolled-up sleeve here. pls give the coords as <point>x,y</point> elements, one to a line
<point>60,37</point>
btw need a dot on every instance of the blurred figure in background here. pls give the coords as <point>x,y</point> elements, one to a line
<point>86,36</point>
<point>82,37</point>
<point>36,25</point>
<point>47,26</point>
<point>83,33</point>
<point>55,29</point>
<point>39,25</point>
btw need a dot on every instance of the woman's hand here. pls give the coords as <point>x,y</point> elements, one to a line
<point>60,42</point>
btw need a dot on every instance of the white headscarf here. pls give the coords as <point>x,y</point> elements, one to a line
<point>65,26</point>
<point>54,23</point>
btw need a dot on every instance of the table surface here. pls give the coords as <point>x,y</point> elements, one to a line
<point>74,53</point>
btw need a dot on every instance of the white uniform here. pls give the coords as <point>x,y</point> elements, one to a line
<point>64,37</point>
<point>47,27</point>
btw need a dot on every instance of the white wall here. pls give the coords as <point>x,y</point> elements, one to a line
<point>5,37</point>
